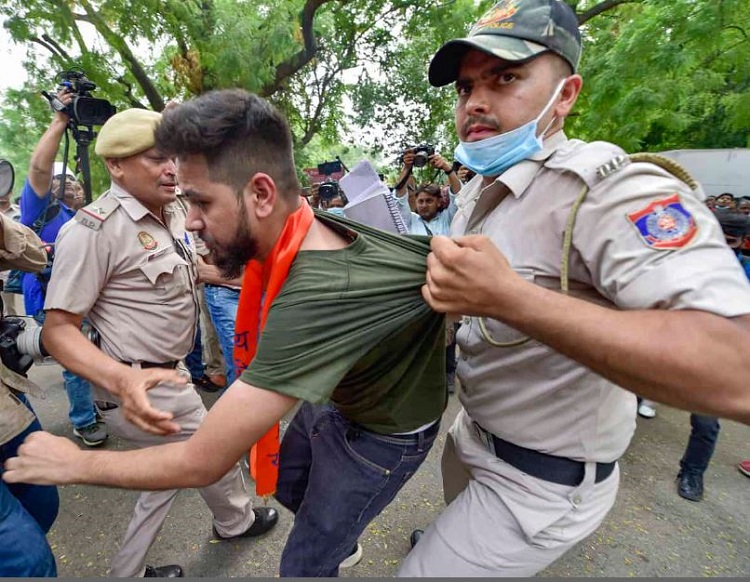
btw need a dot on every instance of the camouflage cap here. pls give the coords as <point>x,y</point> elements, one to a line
<point>513,30</point>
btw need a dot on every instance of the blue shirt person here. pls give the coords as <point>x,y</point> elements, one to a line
<point>46,214</point>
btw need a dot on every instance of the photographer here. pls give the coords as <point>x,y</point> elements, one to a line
<point>26,511</point>
<point>429,219</point>
<point>418,157</point>
<point>49,199</point>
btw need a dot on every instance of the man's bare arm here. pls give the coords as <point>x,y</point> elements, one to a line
<point>209,273</point>
<point>62,338</point>
<point>43,157</point>
<point>693,360</point>
<point>237,420</point>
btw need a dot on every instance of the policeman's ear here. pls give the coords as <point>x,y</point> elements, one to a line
<point>114,167</point>
<point>568,96</point>
<point>261,195</point>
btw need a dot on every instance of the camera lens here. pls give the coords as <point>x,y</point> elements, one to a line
<point>420,159</point>
<point>29,342</point>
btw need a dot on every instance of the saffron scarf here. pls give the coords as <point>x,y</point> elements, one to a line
<point>260,286</point>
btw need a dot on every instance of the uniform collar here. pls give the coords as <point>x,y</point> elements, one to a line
<point>133,206</point>
<point>519,177</point>
<point>516,178</point>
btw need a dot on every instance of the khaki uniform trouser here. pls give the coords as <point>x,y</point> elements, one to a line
<point>500,521</point>
<point>13,304</point>
<point>228,499</point>
<point>209,341</point>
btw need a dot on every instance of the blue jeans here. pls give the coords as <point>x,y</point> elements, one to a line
<point>81,400</point>
<point>701,445</point>
<point>81,412</point>
<point>26,513</point>
<point>194,360</point>
<point>222,307</point>
<point>336,477</point>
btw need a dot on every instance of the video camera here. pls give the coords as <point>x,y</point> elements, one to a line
<point>83,109</point>
<point>422,152</point>
<point>329,188</point>
<point>20,346</point>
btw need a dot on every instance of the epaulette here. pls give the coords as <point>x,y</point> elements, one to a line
<point>667,164</point>
<point>597,161</point>
<point>94,215</point>
<point>586,160</point>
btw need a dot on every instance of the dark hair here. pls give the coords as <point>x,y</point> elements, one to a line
<point>431,189</point>
<point>237,132</point>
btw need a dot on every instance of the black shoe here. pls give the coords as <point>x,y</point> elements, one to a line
<point>203,383</point>
<point>265,519</point>
<point>415,536</point>
<point>173,571</point>
<point>690,486</point>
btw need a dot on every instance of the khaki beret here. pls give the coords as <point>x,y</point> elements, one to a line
<point>127,133</point>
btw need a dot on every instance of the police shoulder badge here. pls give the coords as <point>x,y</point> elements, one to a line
<point>147,241</point>
<point>665,223</point>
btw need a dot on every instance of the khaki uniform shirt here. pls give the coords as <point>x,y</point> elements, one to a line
<point>21,249</point>
<point>131,275</point>
<point>530,394</point>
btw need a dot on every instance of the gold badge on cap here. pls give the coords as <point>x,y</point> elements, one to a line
<point>147,241</point>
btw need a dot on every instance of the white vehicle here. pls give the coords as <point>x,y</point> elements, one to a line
<point>718,171</point>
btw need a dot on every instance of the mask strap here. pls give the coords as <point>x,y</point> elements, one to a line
<point>556,93</point>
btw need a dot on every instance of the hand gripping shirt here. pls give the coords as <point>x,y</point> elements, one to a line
<point>642,240</point>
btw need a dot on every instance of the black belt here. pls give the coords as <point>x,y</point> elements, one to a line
<point>172,364</point>
<point>223,286</point>
<point>559,470</point>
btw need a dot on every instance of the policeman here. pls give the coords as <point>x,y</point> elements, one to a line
<point>124,263</point>
<point>595,272</point>
<point>26,511</point>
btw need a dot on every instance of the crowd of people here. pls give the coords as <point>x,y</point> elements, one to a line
<point>732,214</point>
<point>346,326</point>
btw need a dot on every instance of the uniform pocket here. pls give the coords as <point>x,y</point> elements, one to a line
<point>166,271</point>
<point>500,335</point>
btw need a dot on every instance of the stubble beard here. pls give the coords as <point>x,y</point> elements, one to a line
<point>231,259</point>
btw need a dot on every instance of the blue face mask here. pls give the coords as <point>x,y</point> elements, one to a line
<point>337,211</point>
<point>494,155</point>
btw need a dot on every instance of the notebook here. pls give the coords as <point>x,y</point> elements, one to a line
<point>370,201</point>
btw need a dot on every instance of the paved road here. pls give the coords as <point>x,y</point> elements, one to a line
<point>650,532</point>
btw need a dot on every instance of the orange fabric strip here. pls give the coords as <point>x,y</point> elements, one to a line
<point>260,286</point>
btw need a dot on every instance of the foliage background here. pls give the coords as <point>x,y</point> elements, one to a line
<point>351,75</point>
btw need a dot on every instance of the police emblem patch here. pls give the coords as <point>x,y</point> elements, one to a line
<point>664,224</point>
<point>147,241</point>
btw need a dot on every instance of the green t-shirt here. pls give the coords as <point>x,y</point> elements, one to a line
<point>351,326</point>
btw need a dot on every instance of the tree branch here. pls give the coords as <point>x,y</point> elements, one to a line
<point>118,43</point>
<point>293,64</point>
<point>134,102</point>
<point>53,43</point>
<point>587,15</point>
<point>56,54</point>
